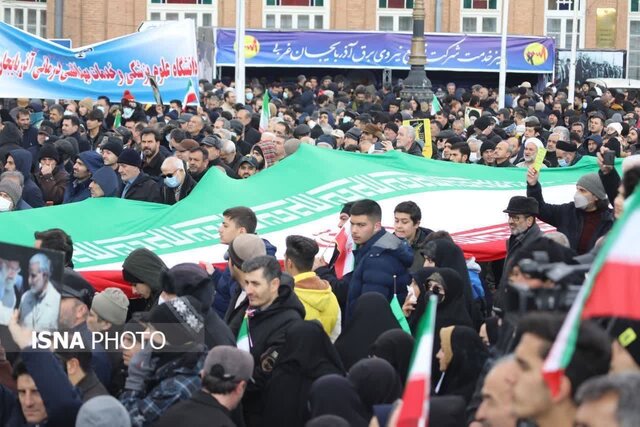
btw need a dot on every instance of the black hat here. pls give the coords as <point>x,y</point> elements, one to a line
<point>392,126</point>
<point>125,133</point>
<point>445,134</point>
<point>326,139</point>
<point>113,144</point>
<point>130,157</point>
<point>95,115</point>
<point>487,145</point>
<point>483,122</point>
<point>45,130</point>
<point>353,133</point>
<point>75,286</point>
<point>189,279</point>
<point>236,126</point>
<point>49,150</point>
<point>212,141</point>
<point>522,205</point>
<point>248,159</point>
<point>301,130</point>
<point>566,146</point>
<point>179,320</point>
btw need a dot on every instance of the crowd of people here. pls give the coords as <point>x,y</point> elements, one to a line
<point>266,343</point>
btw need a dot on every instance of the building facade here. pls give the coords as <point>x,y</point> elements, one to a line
<point>602,24</point>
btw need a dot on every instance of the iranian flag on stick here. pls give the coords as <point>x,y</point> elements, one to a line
<point>415,400</point>
<point>345,263</point>
<point>265,115</point>
<point>191,96</point>
<point>612,289</point>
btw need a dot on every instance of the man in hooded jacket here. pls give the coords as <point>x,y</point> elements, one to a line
<point>87,163</point>
<point>21,160</point>
<point>10,139</point>
<point>143,269</point>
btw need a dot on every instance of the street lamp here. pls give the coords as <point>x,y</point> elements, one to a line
<point>417,86</point>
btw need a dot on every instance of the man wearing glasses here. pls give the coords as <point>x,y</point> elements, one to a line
<point>176,182</point>
<point>521,218</point>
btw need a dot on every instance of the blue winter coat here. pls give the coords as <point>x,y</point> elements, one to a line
<point>376,262</point>
<point>225,284</point>
<point>79,190</point>
<point>31,193</point>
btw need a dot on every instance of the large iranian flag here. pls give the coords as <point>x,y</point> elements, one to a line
<point>612,289</point>
<point>415,400</point>
<point>302,194</point>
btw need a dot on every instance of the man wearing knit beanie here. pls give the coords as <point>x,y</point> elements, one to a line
<point>10,194</point>
<point>584,220</point>
<point>158,377</point>
<point>108,310</point>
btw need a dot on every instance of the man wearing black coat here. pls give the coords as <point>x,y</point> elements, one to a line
<point>71,127</point>
<point>585,219</point>
<point>176,182</point>
<point>225,376</point>
<point>10,139</point>
<point>137,185</point>
<point>522,213</point>
<point>29,132</point>
<point>272,308</point>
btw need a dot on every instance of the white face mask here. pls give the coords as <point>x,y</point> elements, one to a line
<point>127,112</point>
<point>580,201</point>
<point>5,205</point>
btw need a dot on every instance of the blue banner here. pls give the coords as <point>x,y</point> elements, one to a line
<point>335,49</point>
<point>32,67</point>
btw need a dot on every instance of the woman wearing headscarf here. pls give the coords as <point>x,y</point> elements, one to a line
<point>335,395</point>
<point>461,357</point>
<point>444,253</point>
<point>395,346</point>
<point>306,356</point>
<point>376,382</point>
<point>416,302</point>
<point>371,317</point>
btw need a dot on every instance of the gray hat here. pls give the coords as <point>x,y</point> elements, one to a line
<point>301,130</point>
<point>522,205</point>
<point>244,247</point>
<point>228,363</point>
<point>12,190</point>
<point>212,141</point>
<point>103,411</point>
<point>111,305</point>
<point>592,183</point>
<point>532,120</point>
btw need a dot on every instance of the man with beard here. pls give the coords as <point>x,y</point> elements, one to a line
<point>110,150</point>
<point>213,145</point>
<point>198,163</point>
<point>531,147</point>
<point>29,132</point>
<point>152,157</point>
<point>87,163</point>
<point>247,167</point>
<point>71,127</point>
<point>39,306</point>
<point>9,272</point>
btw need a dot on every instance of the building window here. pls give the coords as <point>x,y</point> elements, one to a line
<point>480,16</point>
<point>559,22</point>
<point>296,14</point>
<point>635,5</point>
<point>395,15</point>
<point>30,16</point>
<point>203,12</point>
<point>633,59</point>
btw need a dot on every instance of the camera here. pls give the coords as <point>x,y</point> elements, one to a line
<point>567,280</point>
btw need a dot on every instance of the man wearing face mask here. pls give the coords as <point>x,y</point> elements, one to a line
<point>585,219</point>
<point>176,183</point>
<point>10,194</point>
<point>131,109</point>
<point>567,154</point>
